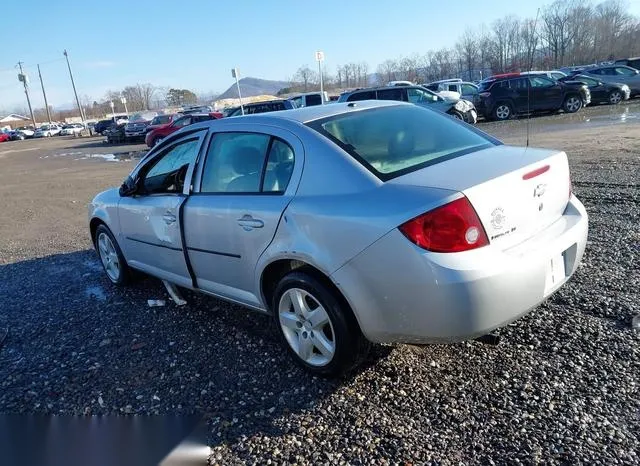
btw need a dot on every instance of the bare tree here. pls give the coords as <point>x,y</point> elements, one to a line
<point>468,51</point>
<point>305,76</point>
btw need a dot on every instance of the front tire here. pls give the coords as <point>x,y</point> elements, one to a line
<point>615,97</point>
<point>572,104</point>
<point>111,258</point>
<point>503,111</point>
<point>317,326</point>
<point>457,115</point>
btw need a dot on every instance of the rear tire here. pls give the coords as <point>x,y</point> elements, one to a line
<point>503,111</point>
<point>457,115</point>
<point>615,97</point>
<point>572,104</point>
<point>317,326</point>
<point>111,257</point>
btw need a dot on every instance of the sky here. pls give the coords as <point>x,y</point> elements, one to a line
<point>194,44</point>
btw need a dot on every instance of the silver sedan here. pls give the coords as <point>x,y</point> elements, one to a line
<point>349,223</point>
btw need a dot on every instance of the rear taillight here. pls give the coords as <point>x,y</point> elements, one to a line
<point>453,227</point>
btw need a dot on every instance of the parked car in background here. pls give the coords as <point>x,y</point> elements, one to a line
<point>46,131</point>
<point>102,125</point>
<point>632,62</point>
<point>458,108</point>
<point>503,96</point>
<point>5,136</point>
<point>26,131</point>
<point>466,90</point>
<point>196,109</point>
<point>555,74</point>
<point>161,120</point>
<point>303,215</point>
<point>262,107</point>
<point>115,134</point>
<point>136,128</point>
<point>400,83</point>
<point>156,135</point>
<point>601,92</point>
<point>309,99</point>
<point>70,130</point>
<point>617,74</point>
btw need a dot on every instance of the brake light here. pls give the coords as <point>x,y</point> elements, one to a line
<point>453,227</point>
<point>536,172</point>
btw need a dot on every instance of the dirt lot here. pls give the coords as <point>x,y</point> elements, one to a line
<point>562,387</point>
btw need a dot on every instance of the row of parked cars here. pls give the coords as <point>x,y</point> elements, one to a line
<point>498,97</point>
<point>43,131</point>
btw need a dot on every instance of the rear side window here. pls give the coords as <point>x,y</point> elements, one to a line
<point>485,86</point>
<point>396,93</point>
<point>366,95</point>
<point>313,99</point>
<point>234,163</point>
<point>391,141</point>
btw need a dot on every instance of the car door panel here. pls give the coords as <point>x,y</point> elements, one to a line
<point>227,232</point>
<point>150,232</point>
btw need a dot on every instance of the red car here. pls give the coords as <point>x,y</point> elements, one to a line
<point>162,131</point>
<point>4,136</point>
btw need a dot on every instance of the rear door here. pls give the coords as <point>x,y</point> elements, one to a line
<point>243,186</point>
<point>519,93</point>
<point>150,220</point>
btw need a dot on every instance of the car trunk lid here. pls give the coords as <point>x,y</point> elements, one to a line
<point>516,192</point>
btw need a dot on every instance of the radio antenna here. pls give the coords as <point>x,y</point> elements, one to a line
<point>533,50</point>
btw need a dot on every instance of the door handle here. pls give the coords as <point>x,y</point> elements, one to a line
<point>169,218</point>
<point>248,222</point>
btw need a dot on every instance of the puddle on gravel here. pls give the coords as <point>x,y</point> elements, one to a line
<point>109,157</point>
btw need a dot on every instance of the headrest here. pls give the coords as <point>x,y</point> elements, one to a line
<point>247,160</point>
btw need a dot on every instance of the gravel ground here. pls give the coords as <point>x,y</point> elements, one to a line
<point>561,388</point>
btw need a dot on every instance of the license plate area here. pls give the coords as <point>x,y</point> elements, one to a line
<point>556,272</point>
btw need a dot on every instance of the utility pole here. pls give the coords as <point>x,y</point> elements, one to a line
<point>46,104</point>
<point>320,59</point>
<point>23,78</point>
<point>74,87</point>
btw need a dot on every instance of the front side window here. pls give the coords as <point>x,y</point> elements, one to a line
<point>168,173</point>
<point>234,163</point>
<point>540,81</point>
<point>390,141</point>
<point>468,89</point>
<point>182,122</point>
<point>420,96</point>
<point>624,71</point>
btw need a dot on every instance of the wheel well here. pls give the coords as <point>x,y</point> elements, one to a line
<point>93,226</point>
<point>274,272</point>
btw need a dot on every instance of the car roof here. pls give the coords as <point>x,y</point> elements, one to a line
<point>308,114</point>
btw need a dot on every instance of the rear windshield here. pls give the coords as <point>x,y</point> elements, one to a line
<point>392,141</point>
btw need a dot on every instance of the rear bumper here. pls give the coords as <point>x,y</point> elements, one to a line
<point>401,293</point>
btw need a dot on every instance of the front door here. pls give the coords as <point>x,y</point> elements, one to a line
<point>150,219</point>
<point>246,182</point>
<point>545,93</point>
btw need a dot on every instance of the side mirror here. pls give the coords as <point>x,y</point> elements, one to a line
<point>128,187</point>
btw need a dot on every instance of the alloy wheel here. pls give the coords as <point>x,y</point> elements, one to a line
<point>615,97</point>
<point>573,104</point>
<point>503,112</point>
<point>109,257</point>
<point>307,327</point>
